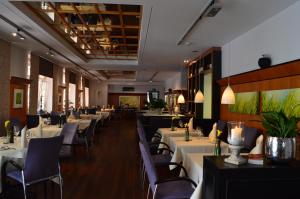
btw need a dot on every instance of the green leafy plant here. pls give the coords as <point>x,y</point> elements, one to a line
<point>278,124</point>
<point>157,103</point>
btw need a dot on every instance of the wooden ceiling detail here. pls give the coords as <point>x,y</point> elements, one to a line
<point>96,30</point>
<point>117,74</point>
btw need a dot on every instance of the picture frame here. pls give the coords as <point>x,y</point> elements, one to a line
<point>18,98</point>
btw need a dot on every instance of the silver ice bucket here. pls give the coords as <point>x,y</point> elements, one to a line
<point>280,149</point>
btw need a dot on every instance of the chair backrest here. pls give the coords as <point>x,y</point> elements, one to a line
<point>251,134</point>
<point>139,123</point>
<point>32,121</point>
<point>149,166</point>
<point>42,159</point>
<point>142,135</point>
<point>69,131</point>
<point>91,130</point>
<point>16,124</point>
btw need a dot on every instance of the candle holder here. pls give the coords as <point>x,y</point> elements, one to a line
<point>235,139</point>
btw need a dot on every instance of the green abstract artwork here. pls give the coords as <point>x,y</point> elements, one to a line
<point>130,101</point>
<point>245,103</point>
<point>285,100</point>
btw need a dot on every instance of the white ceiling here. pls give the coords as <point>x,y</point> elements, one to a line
<point>163,24</point>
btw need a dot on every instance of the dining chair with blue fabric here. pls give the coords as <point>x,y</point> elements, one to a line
<point>41,164</point>
<point>86,137</point>
<point>69,132</point>
<point>32,121</point>
<point>177,187</point>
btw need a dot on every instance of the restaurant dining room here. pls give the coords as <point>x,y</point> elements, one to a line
<point>139,99</point>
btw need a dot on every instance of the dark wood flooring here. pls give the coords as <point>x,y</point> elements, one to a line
<point>112,172</point>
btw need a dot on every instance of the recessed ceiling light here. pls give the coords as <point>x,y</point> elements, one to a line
<point>50,53</point>
<point>187,43</point>
<point>150,81</point>
<point>88,52</point>
<point>21,37</point>
<point>14,34</point>
<point>186,61</point>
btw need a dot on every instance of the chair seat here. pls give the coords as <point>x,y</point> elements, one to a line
<point>16,175</point>
<point>174,190</point>
<point>161,159</point>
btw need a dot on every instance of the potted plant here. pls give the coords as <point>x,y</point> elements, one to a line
<point>157,105</point>
<point>281,140</point>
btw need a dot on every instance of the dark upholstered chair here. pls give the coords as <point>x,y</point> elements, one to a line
<point>179,187</point>
<point>69,131</point>
<point>32,121</point>
<point>251,134</point>
<point>222,126</point>
<point>85,138</point>
<point>41,164</point>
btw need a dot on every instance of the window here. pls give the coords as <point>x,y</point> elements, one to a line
<point>64,100</point>
<point>86,93</point>
<point>45,93</point>
<point>64,76</point>
<point>72,95</point>
<point>28,72</point>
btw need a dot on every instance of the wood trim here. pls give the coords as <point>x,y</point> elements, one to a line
<point>203,54</point>
<point>19,80</point>
<point>277,71</point>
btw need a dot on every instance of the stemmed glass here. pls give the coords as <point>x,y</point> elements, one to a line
<point>199,131</point>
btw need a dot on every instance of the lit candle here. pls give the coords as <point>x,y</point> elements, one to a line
<point>236,136</point>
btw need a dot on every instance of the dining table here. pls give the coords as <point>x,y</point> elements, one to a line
<point>82,123</point>
<point>167,133</point>
<point>47,131</point>
<point>194,145</point>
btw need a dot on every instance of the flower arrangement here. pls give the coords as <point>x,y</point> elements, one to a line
<point>187,132</point>
<point>172,122</point>
<point>9,133</point>
<point>217,151</point>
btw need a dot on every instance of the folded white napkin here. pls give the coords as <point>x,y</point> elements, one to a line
<point>258,149</point>
<point>190,124</point>
<point>23,137</point>
<point>40,131</point>
<point>41,121</point>
<point>213,133</point>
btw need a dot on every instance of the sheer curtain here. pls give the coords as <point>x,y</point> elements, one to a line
<point>45,93</point>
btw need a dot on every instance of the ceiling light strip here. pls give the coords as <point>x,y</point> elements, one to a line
<point>189,30</point>
<point>146,37</point>
<point>44,44</point>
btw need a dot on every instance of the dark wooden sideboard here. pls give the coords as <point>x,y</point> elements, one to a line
<point>226,181</point>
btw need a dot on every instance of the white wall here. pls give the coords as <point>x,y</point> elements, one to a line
<point>18,62</point>
<point>177,81</point>
<point>278,37</point>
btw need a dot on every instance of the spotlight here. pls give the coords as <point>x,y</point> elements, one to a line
<point>88,52</point>
<point>186,61</point>
<point>17,34</point>
<point>50,53</point>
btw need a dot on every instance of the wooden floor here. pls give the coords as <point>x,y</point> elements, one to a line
<point>111,172</point>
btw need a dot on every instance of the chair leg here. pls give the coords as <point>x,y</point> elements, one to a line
<point>60,186</point>
<point>24,185</point>
<point>148,192</point>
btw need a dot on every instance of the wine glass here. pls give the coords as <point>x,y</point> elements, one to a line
<point>180,123</point>
<point>199,131</point>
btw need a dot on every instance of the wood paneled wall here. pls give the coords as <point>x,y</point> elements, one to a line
<point>283,76</point>
<point>113,98</point>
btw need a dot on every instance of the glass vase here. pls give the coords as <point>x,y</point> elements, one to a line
<point>187,135</point>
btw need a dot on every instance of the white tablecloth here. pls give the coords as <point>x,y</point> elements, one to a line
<point>90,117</point>
<point>195,145</point>
<point>47,131</point>
<point>152,114</point>
<point>166,134</point>
<point>82,123</point>
<point>11,152</point>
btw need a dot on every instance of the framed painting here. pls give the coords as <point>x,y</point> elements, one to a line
<point>18,98</point>
<point>246,103</point>
<point>286,100</point>
<point>129,101</point>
